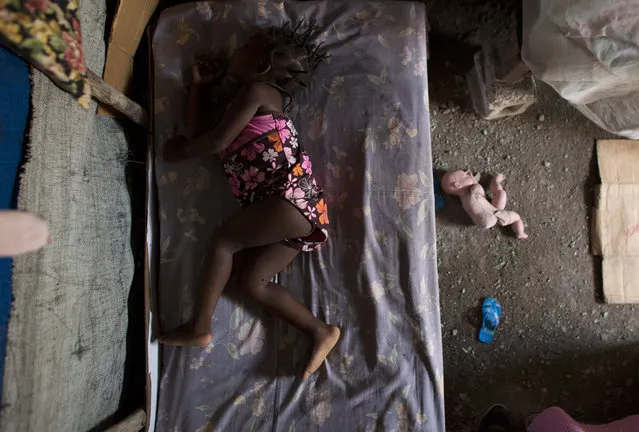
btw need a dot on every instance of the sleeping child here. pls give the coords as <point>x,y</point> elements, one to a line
<point>284,210</point>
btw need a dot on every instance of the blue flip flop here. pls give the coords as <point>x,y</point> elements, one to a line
<point>490,313</point>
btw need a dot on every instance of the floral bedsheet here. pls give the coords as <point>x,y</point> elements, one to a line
<point>364,121</point>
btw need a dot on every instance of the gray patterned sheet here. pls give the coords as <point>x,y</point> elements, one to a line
<point>364,120</point>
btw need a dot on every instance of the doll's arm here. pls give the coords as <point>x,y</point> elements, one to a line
<point>499,194</point>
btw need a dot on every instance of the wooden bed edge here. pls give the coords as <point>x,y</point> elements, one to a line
<point>133,423</point>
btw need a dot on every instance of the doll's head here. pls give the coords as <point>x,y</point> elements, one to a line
<point>284,56</point>
<point>457,182</point>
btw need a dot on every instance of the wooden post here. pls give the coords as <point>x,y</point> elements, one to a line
<point>133,423</point>
<point>109,95</point>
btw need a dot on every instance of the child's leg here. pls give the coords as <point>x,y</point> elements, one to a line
<point>259,267</point>
<point>262,223</point>
<point>499,194</point>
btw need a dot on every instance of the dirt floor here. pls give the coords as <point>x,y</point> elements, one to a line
<point>558,344</point>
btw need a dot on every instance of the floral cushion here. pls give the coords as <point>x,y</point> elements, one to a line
<point>47,34</point>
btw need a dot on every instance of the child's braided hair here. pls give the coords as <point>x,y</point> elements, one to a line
<point>293,53</point>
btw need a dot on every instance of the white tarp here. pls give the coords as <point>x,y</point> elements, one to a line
<point>588,51</point>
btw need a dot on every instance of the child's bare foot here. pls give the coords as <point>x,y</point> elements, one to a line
<point>499,178</point>
<point>324,341</point>
<point>187,335</point>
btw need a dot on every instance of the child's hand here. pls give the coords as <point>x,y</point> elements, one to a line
<point>175,148</point>
<point>204,71</point>
<point>21,232</point>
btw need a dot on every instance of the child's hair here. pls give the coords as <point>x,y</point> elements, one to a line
<point>293,53</point>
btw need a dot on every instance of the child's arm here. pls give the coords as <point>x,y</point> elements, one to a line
<point>194,119</point>
<point>204,72</point>
<point>237,116</point>
<point>234,120</point>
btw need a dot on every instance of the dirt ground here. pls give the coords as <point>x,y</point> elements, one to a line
<point>558,344</point>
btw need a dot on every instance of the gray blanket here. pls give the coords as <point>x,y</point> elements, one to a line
<point>67,332</point>
<point>364,121</point>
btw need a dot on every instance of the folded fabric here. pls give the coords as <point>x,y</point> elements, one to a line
<point>47,34</point>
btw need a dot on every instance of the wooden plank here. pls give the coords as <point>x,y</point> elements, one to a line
<point>126,32</point>
<point>109,95</point>
<point>133,423</point>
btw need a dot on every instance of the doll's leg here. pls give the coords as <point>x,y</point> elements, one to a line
<point>499,194</point>
<point>259,267</point>
<point>506,218</point>
<point>262,223</point>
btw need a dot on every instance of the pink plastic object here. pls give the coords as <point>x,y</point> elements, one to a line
<point>485,214</point>
<point>22,232</point>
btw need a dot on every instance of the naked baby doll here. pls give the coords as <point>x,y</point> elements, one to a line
<point>485,214</point>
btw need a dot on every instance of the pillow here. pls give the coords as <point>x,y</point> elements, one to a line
<point>47,34</point>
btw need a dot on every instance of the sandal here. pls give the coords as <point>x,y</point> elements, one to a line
<point>490,313</point>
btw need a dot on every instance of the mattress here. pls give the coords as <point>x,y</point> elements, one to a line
<point>364,121</point>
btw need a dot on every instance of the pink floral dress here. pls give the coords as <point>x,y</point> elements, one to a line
<point>266,160</point>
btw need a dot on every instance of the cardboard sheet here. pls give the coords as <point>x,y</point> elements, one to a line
<point>128,26</point>
<point>616,219</point>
